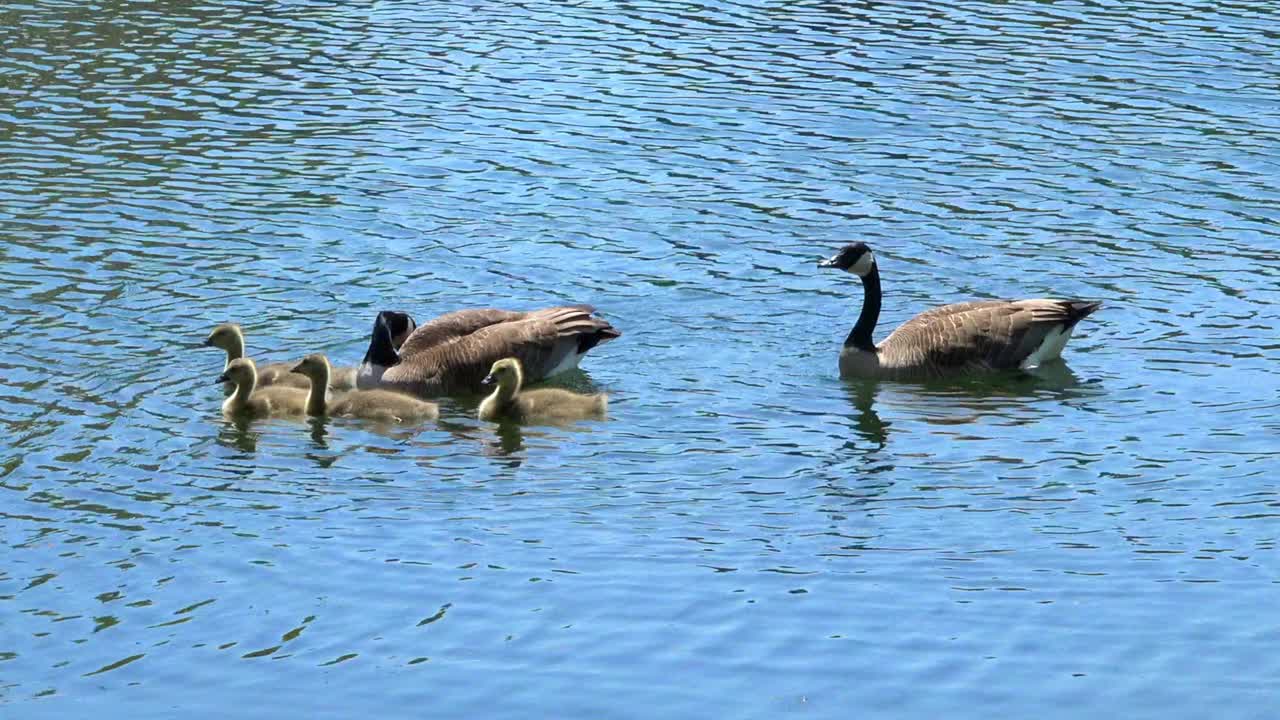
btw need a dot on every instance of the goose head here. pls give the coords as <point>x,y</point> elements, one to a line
<point>390,329</point>
<point>400,324</point>
<point>855,258</point>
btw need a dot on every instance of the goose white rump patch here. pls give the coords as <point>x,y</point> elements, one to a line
<point>569,362</point>
<point>1050,349</point>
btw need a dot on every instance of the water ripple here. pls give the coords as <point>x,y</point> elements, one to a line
<point>1073,539</point>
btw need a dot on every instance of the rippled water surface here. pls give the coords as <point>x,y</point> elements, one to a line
<point>746,536</point>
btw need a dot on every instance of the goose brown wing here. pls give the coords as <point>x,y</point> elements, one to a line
<point>454,325</point>
<point>542,340</point>
<point>460,323</point>
<point>1029,326</point>
<point>539,339</point>
<point>994,334</point>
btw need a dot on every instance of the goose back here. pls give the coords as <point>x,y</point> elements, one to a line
<point>971,337</point>
<point>454,325</point>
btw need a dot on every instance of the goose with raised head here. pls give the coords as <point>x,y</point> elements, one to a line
<point>967,338</point>
<point>250,401</point>
<point>510,402</point>
<point>454,352</point>
<point>383,405</point>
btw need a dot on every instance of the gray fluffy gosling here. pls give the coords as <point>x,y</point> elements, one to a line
<point>547,405</point>
<point>383,405</point>
<point>230,338</point>
<point>249,401</point>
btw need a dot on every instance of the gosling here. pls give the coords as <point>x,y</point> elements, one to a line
<point>548,405</point>
<point>382,405</point>
<point>230,338</point>
<point>249,401</point>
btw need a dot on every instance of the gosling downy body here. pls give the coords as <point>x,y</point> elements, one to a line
<point>230,338</point>
<point>454,352</point>
<point>383,405</point>
<point>968,338</point>
<point>250,401</point>
<point>547,405</point>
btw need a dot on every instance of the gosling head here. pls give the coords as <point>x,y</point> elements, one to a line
<point>312,366</point>
<point>226,336</point>
<point>502,372</point>
<point>238,372</point>
<point>854,258</point>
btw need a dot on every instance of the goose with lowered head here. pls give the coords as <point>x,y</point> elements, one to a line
<point>967,338</point>
<point>453,353</point>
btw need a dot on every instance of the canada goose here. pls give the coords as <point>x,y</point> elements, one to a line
<point>380,354</point>
<point>250,401</point>
<point>452,353</point>
<point>952,340</point>
<point>545,405</point>
<point>382,405</point>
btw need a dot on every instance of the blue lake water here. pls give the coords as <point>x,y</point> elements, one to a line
<point>747,536</point>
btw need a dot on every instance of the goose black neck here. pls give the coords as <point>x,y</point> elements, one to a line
<point>860,337</point>
<point>381,351</point>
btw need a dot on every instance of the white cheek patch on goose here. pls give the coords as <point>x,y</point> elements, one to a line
<point>863,265</point>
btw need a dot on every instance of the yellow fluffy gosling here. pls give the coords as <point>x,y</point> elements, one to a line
<point>249,401</point>
<point>383,405</point>
<point>548,405</point>
<point>230,338</point>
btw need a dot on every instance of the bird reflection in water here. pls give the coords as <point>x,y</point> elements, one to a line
<point>867,423</point>
<point>239,434</point>
<point>510,440</point>
<point>319,431</point>
<point>941,400</point>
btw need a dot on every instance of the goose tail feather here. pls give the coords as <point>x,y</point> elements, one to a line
<point>1078,310</point>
